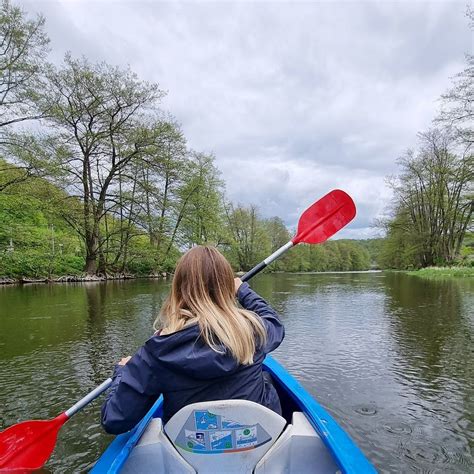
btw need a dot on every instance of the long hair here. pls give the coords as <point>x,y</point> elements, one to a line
<point>203,292</point>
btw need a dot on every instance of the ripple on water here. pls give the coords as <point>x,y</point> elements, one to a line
<point>366,410</point>
<point>398,428</point>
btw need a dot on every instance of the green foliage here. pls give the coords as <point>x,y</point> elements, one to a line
<point>44,244</point>
<point>433,204</point>
<point>444,272</point>
<point>253,239</point>
<point>374,247</point>
<point>466,255</point>
<point>200,202</point>
<point>34,263</point>
<point>23,48</point>
<point>335,255</point>
<point>249,242</point>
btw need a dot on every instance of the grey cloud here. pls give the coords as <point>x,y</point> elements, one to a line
<point>293,98</point>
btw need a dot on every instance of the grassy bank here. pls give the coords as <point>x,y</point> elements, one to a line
<point>444,272</point>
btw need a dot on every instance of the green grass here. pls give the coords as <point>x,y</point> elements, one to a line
<point>444,272</point>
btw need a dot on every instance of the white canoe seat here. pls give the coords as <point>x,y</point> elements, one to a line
<point>154,453</point>
<point>299,450</point>
<point>226,436</point>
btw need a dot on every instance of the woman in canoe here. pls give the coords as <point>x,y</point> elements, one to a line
<point>207,348</point>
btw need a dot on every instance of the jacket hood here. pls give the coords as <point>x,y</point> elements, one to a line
<point>185,352</point>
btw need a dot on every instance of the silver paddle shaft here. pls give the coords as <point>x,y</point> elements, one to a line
<point>88,398</point>
<point>278,253</point>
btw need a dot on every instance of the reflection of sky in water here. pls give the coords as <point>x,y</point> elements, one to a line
<point>389,355</point>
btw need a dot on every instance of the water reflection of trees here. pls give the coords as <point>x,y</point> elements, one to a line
<point>39,317</point>
<point>119,320</point>
<point>430,326</point>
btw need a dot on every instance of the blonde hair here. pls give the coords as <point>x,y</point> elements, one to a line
<point>203,292</point>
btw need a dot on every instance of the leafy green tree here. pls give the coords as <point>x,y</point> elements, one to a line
<point>318,258</point>
<point>141,200</point>
<point>402,247</point>
<point>23,49</point>
<point>433,202</point>
<point>162,174</point>
<point>98,126</point>
<point>279,235</point>
<point>34,240</point>
<point>197,207</point>
<point>202,199</point>
<point>250,241</point>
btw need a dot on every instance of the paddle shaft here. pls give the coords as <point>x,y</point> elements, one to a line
<point>264,263</point>
<point>88,398</point>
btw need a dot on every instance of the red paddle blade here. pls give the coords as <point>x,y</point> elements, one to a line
<point>325,217</point>
<point>28,445</point>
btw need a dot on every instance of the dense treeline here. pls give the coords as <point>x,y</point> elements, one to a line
<point>103,182</point>
<point>433,194</point>
<point>36,240</point>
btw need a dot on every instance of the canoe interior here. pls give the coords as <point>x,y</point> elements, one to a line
<point>293,397</point>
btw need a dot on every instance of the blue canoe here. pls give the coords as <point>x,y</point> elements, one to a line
<point>308,440</point>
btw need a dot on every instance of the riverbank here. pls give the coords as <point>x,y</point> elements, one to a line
<point>444,272</point>
<point>79,278</point>
<point>430,272</point>
<point>163,275</point>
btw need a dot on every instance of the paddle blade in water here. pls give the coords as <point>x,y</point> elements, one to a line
<point>28,445</point>
<point>325,217</point>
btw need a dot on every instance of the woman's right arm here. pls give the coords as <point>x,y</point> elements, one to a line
<point>254,302</point>
<point>133,391</point>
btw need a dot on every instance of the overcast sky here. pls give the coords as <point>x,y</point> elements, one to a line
<point>293,98</point>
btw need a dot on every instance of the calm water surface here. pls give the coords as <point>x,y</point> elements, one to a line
<point>389,355</point>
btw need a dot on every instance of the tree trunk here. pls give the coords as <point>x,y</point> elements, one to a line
<point>91,264</point>
<point>92,250</point>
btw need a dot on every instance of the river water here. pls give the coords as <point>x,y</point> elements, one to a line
<point>389,355</point>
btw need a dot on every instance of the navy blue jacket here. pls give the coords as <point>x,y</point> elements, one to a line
<point>183,368</point>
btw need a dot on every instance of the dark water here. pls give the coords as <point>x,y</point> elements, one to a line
<point>390,356</point>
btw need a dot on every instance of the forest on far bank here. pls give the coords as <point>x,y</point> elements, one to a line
<point>36,240</point>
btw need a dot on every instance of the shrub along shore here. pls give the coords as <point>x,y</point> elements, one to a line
<point>77,279</point>
<point>444,272</point>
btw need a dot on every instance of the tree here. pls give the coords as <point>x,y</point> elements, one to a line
<point>163,172</point>
<point>433,199</point>
<point>250,242</point>
<point>402,247</point>
<point>201,202</point>
<point>23,48</point>
<point>457,112</point>
<point>99,123</point>
<point>278,235</point>
<point>141,199</point>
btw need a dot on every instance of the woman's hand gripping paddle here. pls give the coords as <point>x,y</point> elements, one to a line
<point>27,446</point>
<point>319,222</point>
